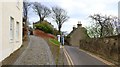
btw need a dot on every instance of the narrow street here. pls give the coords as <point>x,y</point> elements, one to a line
<point>81,58</point>
<point>37,53</point>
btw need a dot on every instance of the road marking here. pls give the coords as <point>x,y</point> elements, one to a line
<point>67,59</point>
<point>70,62</point>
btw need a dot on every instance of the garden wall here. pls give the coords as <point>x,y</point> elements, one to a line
<point>107,47</point>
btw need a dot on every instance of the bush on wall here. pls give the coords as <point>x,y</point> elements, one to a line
<point>44,26</point>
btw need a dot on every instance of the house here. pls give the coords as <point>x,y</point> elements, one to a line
<point>77,34</point>
<point>10,27</point>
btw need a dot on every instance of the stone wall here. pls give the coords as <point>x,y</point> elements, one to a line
<point>108,47</point>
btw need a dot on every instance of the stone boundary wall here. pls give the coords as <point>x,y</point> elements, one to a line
<point>107,47</point>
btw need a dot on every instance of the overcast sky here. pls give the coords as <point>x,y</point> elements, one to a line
<point>78,10</point>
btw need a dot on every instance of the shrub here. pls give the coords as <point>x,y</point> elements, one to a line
<point>44,26</point>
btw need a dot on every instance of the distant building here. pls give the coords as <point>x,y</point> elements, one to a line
<point>77,34</point>
<point>10,27</point>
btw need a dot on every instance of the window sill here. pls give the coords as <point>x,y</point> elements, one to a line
<point>17,41</point>
<point>11,41</point>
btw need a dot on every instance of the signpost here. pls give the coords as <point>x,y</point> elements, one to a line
<point>58,38</point>
<point>61,40</point>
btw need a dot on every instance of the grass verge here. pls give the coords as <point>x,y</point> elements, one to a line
<point>55,48</point>
<point>54,41</point>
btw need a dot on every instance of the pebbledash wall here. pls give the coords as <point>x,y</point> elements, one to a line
<point>10,27</point>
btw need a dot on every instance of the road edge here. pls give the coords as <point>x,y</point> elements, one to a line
<point>97,57</point>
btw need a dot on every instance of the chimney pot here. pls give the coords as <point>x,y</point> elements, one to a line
<point>79,24</point>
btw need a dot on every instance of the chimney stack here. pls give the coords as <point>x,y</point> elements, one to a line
<point>74,27</point>
<point>79,24</point>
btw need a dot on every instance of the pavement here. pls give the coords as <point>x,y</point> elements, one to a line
<point>81,58</point>
<point>14,56</point>
<point>36,53</point>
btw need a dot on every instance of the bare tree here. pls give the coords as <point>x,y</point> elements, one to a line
<point>93,31</point>
<point>41,10</point>
<point>104,24</point>
<point>60,16</point>
<point>26,6</point>
<point>98,19</point>
<point>116,25</point>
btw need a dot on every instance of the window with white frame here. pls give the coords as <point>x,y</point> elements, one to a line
<point>17,30</point>
<point>11,28</point>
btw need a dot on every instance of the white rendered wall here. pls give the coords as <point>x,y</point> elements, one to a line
<point>10,9</point>
<point>0,32</point>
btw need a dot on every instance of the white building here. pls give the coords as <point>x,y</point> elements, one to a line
<point>10,27</point>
